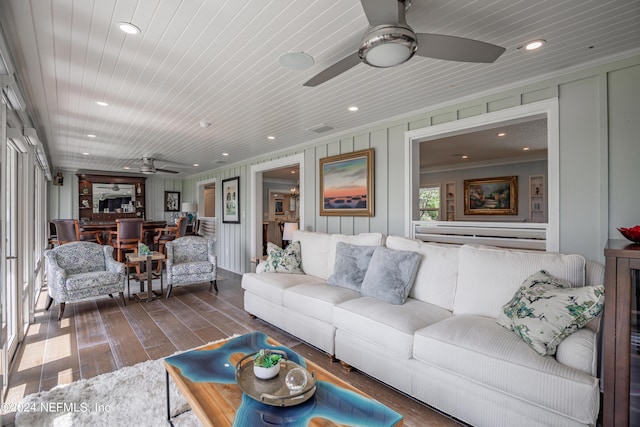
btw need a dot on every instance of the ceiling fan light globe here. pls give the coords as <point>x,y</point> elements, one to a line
<point>388,46</point>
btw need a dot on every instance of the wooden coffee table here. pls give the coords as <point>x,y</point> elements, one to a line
<point>206,378</point>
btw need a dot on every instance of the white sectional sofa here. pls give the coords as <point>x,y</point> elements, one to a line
<point>442,346</point>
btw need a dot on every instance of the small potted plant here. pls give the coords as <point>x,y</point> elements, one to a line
<point>266,364</point>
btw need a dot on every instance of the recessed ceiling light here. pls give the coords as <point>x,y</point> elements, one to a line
<point>85,154</point>
<point>127,167</point>
<point>204,124</point>
<point>128,28</point>
<point>296,61</point>
<point>225,154</point>
<point>271,137</point>
<point>501,134</point>
<point>464,156</point>
<point>102,103</point>
<point>354,108</point>
<point>195,165</point>
<point>526,149</point>
<point>91,135</point>
<point>293,171</point>
<point>534,44</point>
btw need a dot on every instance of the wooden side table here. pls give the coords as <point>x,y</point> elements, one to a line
<point>621,372</point>
<point>147,276</point>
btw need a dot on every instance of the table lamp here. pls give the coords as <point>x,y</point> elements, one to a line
<point>189,209</point>
<point>287,233</point>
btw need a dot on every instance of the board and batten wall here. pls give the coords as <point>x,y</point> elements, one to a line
<point>599,149</point>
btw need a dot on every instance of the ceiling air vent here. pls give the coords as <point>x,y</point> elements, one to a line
<point>321,128</point>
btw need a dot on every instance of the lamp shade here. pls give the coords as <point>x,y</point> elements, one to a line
<point>289,228</point>
<point>189,207</point>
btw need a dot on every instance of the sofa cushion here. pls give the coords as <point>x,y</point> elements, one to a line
<point>316,299</point>
<point>489,277</point>
<point>271,286</point>
<point>196,267</point>
<point>80,257</point>
<point>390,275</point>
<point>92,280</point>
<point>480,350</point>
<point>362,239</point>
<point>351,265</point>
<point>437,273</point>
<point>314,248</point>
<point>546,309</point>
<point>280,260</point>
<point>388,326</point>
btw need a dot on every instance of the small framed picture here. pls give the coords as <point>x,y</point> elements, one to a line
<point>231,200</point>
<point>279,207</point>
<point>172,201</point>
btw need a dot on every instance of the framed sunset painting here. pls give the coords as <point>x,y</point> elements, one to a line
<point>346,184</point>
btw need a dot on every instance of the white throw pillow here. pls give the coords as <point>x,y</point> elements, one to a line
<point>437,275</point>
<point>488,277</point>
<point>314,249</point>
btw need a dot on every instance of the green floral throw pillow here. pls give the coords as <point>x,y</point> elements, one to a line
<point>545,310</point>
<point>283,260</point>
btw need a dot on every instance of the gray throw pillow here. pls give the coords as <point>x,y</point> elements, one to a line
<point>390,275</point>
<point>351,265</point>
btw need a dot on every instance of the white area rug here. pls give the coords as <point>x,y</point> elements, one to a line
<point>132,396</point>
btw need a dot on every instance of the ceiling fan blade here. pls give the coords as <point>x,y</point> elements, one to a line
<point>452,48</point>
<point>336,69</point>
<point>165,170</point>
<point>381,11</point>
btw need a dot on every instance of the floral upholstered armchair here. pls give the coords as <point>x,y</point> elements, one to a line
<point>190,259</point>
<point>82,269</point>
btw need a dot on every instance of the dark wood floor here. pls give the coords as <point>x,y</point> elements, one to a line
<point>101,336</point>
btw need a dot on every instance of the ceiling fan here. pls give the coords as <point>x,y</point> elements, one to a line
<point>390,41</point>
<point>148,166</point>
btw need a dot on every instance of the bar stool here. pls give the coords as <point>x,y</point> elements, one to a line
<point>127,235</point>
<point>168,234</point>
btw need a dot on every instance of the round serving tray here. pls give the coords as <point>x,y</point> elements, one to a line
<point>273,391</point>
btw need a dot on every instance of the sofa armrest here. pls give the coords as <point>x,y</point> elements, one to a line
<point>114,266</point>
<point>580,351</point>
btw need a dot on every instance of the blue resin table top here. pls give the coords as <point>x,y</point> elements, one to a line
<point>206,378</point>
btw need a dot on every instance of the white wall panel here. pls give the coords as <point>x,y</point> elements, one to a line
<point>584,106</point>
<point>624,149</point>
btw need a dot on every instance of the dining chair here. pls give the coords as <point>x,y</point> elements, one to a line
<point>68,230</point>
<point>167,234</point>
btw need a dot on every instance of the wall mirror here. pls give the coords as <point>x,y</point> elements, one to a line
<point>107,197</point>
<point>113,197</point>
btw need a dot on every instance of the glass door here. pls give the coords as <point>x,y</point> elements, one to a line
<point>10,318</point>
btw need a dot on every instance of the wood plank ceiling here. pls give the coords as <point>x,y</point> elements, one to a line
<point>217,61</point>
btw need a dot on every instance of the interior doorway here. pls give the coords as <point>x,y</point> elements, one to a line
<point>209,199</point>
<point>269,173</point>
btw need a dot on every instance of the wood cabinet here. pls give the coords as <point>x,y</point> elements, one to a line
<point>88,201</point>
<point>621,334</point>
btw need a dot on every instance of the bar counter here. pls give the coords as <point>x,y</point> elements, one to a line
<point>106,226</point>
